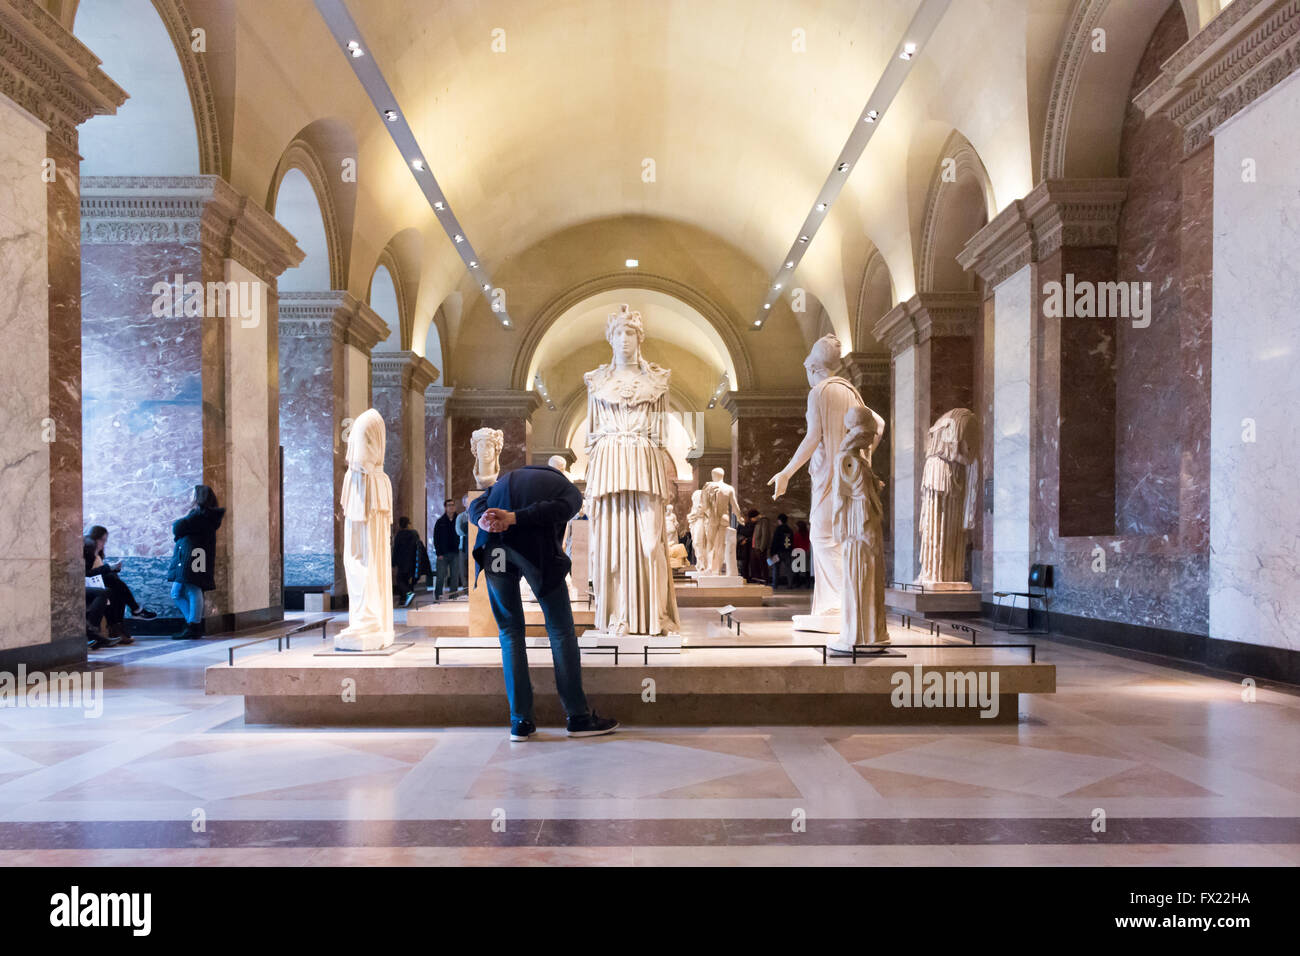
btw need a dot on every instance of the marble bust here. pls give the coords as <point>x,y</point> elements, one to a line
<point>830,398</point>
<point>629,486</point>
<point>720,510</point>
<point>857,521</point>
<point>367,550</point>
<point>486,443</point>
<point>949,486</point>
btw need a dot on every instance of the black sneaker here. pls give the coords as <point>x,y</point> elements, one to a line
<point>521,730</point>
<point>591,725</point>
<point>144,614</point>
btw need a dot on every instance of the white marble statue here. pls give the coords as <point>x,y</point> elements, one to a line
<point>628,486</point>
<point>828,401</point>
<point>486,444</point>
<point>696,521</point>
<point>367,550</point>
<point>857,522</point>
<point>720,507</point>
<point>949,485</point>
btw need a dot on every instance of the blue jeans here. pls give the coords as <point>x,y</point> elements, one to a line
<point>508,609</point>
<point>189,599</point>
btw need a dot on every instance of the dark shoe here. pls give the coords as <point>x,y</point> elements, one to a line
<point>591,725</point>
<point>522,729</point>
<point>102,642</point>
<point>406,601</point>
<point>144,614</point>
<point>192,632</point>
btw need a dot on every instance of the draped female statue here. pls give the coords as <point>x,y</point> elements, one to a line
<point>629,486</point>
<point>367,550</point>
<point>949,483</point>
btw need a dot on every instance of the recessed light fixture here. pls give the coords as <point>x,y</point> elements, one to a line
<point>440,205</point>
<point>821,207</point>
<point>417,165</point>
<point>486,286</point>
<point>803,238</point>
<point>767,305</point>
<point>631,263</point>
<point>777,286</point>
<point>872,116</point>
<point>458,238</point>
<point>909,51</point>
<point>473,263</point>
<point>758,324</point>
<point>842,166</point>
<point>354,48</point>
<point>390,115</point>
<point>789,264</point>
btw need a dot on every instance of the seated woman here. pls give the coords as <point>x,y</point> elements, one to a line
<point>93,547</point>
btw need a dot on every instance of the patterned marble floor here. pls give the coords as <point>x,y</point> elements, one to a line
<point>1185,771</point>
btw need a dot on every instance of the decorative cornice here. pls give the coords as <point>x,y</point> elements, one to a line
<point>1245,51</point>
<point>492,403</point>
<point>331,312</point>
<point>1056,213</point>
<point>435,400</point>
<point>927,315</point>
<point>365,328</point>
<point>765,404</point>
<point>542,455</point>
<point>50,73</point>
<point>169,209</point>
<point>404,370</point>
<point>1071,55</point>
<point>867,369</point>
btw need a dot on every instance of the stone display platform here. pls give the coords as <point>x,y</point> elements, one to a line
<point>744,595</point>
<point>711,682</point>
<point>452,620</point>
<point>925,603</point>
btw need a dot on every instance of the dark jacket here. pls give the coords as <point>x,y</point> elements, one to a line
<point>89,549</point>
<point>782,540</point>
<point>543,501</point>
<point>197,532</point>
<point>445,540</point>
<point>406,553</point>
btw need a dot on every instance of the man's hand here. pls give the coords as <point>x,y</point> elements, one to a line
<point>780,480</point>
<point>496,520</point>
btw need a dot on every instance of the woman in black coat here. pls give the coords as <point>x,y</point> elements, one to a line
<point>192,560</point>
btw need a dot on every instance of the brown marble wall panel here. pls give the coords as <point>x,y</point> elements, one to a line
<point>952,375</point>
<point>215,442</point>
<point>763,447</point>
<point>387,400</point>
<point>308,383</point>
<point>982,577</point>
<point>1149,373</point>
<point>141,406</point>
<point>63,256</point>
<point>435,473</point>
<point>514,452</point>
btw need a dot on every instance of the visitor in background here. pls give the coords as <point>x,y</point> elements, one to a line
<point>462,540</point>
<point>406,561</point>
<point>744,541</point>
<point>119,594</point>
<point>446,547</point>
<point>524,514</point>
<point>759,541</point>
<point>803,551</point>
<point>781,549</point>
<point>194,559</point>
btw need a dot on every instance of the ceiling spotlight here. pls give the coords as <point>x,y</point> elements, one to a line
<point>417,165</point>
<point>506,323</point>
<point>758,324</point>
<point>789,264</point>
<point>473,263</point>
<point>842,166</point>
<point>777,286</point>
<point>821,207</point>
<point>872,116</point>
<point>767,305</point>
<point>354,47</point>
<point>486,286</point>
<point>632,263</point>
<point>909,51</point>
<point>440,205</point>
<point>390,115</point>
<point>458,238</point>
<point>803,238</point>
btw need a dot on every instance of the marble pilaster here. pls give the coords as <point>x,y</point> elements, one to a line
<point>398,381</point>
<point>766,428</point>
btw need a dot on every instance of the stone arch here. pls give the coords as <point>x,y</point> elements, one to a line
<point>303,156</point>
<point>1089,94</point>
<point>401,259</point>
<point>876,296</point>
<point>716,317</point>
<point>954,211</point>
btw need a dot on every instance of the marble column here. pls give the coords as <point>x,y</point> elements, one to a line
<point>51,84</point>
<point>471,408</point>
<point>180,329</point>
<point>398,383</point>
<point>766,428</point>
<point>317,331</point>
<point>437,453</point>
<point>931,338</point>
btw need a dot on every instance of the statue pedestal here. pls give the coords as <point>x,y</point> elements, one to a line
<point>946,586</point>
<point>718,580</point>
<point>362,642</point>
<point>481,621</point>
<point>631,643</point>
<point>821,623</point>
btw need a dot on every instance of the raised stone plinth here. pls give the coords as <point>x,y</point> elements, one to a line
<point>453,620</point>
<point>925,603</point>
<point>743,595</point>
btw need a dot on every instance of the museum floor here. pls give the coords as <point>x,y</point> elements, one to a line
<point>1186,772</point>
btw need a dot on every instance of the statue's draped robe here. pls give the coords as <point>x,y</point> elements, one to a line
<point>827,403</point>
<point>949,482</point>
<point>629,487</point>
<point>367,524</point>
<point>857,522</point>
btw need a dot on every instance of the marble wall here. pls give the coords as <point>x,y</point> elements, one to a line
<point>762,445</point>
<point>905,477</point>
<point>435,447</point>
<point>514,452</point>
<point>387,400</point>
<point>1013,304</point>
<point>27,564</point>
<point>1255,436</point>
<point>307,435</point>
<point>142,406</point>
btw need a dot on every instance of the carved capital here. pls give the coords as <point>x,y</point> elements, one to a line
<point>764,404</point>
<point>492,403</point>
<point>404,370</point>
